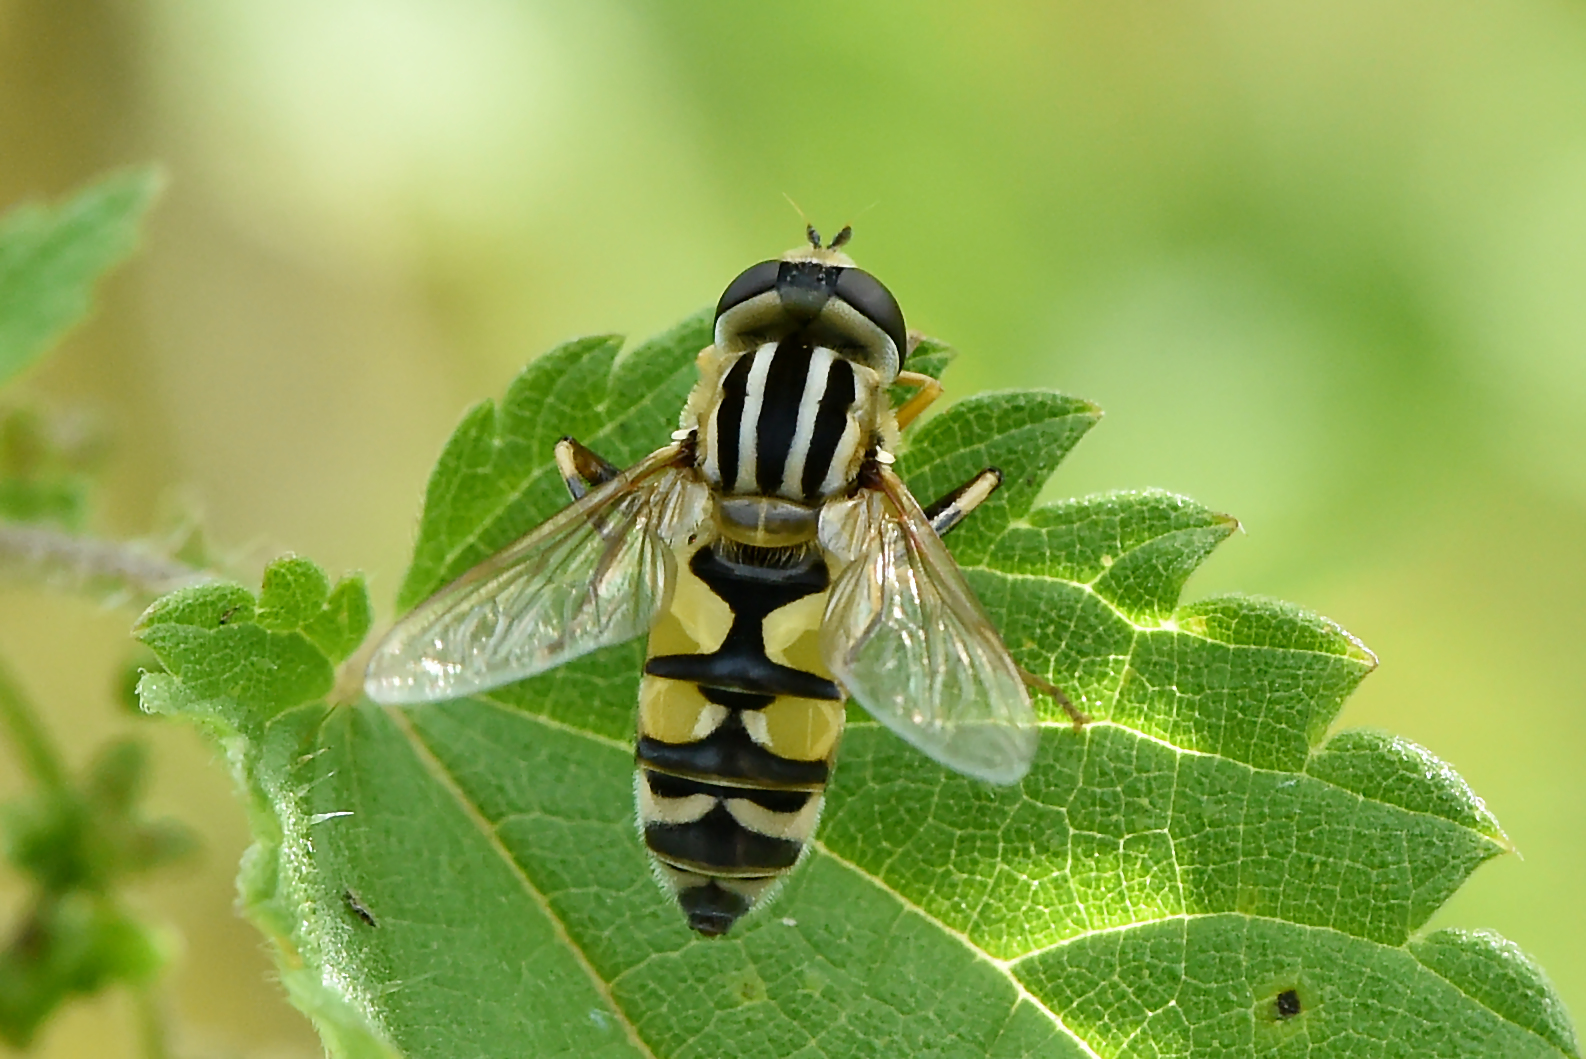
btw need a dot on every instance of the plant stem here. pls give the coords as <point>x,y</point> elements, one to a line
<point>32,742</point>
<point>153,1031</point>
<point>47,552</point>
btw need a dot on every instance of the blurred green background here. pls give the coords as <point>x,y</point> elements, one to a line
<point>1323,265</point>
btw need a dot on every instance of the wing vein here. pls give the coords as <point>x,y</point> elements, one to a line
<point>905,636</point>
<point>592,575</point>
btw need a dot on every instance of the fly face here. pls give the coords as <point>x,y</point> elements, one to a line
<point>820,292</point>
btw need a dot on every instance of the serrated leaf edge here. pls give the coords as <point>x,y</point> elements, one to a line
<point>1355,652</point>
<point>1081,409</point>
<point>338,1011</point>
<point>1455,986</point>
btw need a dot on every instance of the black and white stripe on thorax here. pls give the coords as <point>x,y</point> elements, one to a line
<point>785,424</point>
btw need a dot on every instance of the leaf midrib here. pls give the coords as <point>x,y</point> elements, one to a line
<point>442,775</point>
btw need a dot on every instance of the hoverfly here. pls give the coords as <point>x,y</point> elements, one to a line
<point>779,566</point>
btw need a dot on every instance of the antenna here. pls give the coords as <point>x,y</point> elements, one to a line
<point>847,233</point>
<point>809,229</point>
<point>814,237</point>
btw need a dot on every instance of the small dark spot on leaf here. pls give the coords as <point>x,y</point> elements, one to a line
<point>1288,1004</point>
<point>356,906</point>
<point>746,987</point>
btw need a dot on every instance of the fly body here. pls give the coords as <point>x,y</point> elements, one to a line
<point>779,567</point>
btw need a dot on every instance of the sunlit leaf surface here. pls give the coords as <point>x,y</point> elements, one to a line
<point>1201,871</point>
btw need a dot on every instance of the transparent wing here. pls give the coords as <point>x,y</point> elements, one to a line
<point>592,575</point>
<point>905,636</point>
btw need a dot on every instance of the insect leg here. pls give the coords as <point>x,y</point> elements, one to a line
<point>948,512</point>
<point>953,508</point>
<point>582,469</point>
<point>929,391</point>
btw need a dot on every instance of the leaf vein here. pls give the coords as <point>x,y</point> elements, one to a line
<point>555,725</point>
<point>1483,1004</point>
<point>448,782</point>
<point>1003,967</point>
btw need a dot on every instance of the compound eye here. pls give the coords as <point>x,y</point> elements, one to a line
<point>874,302</point>
<point>752,281</point>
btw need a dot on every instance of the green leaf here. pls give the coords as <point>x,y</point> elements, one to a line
<point>494,480</point>
<point>90,836</point>
<point>44,461</point>
<point>50,258</point>
<point>1202,870</point>
<point>928,357</point>
<point>1496,974</point>
<point>297,596</point>
<point>77,842</point>
<point>255,658</point>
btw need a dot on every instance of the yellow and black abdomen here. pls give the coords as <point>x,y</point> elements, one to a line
<point>738,727</point>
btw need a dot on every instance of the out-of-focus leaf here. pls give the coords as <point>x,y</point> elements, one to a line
<point>77,842</point>
<point>51,256</point>
<point>1201,871</point>
<point>44,465</point>
<point>72,945</point>
<point>90,835</point>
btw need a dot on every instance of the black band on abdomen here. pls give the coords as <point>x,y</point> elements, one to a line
<point>729,754</point>
<point>742,671</point>
<point>776,800</point>
<point>752,592</point>
<point>718,841</point>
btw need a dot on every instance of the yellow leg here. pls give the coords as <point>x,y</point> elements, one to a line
<point>929,391</point>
